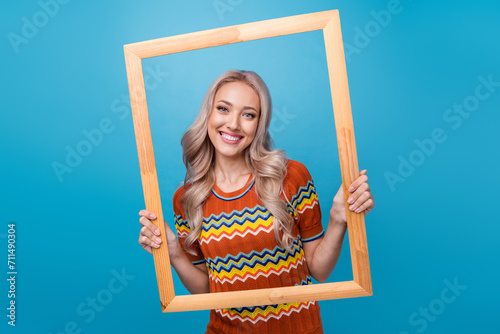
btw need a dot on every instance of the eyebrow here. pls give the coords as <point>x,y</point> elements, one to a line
<point>230,104</point>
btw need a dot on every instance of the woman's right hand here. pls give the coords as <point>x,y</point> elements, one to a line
<point>149,236</point>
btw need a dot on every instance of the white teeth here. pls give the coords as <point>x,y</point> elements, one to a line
<point>228,137</point>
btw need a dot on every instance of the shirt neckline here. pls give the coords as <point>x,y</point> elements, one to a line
<point>230,196</point>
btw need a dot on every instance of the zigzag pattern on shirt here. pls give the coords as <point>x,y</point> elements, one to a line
<point>249,230</point>
<point>263,313</point>
<point>306,281</point>
<point>305,198</point>
<point>236,223</point>
<point>255,264</point>
<point>181,226</point>
<point>264,272</point>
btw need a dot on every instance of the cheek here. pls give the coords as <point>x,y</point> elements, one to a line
<point>216,120</point>
<point>212,123</point>
<point>211,127</point>
<point>252,130</point>
<point>255,126</point>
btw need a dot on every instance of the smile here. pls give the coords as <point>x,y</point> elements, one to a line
<point>229,138</point>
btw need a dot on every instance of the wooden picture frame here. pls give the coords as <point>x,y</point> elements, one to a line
<point>329,22</point>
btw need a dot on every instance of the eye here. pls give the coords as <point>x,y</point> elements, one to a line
<point>249,115</point>
<point>221,108</point>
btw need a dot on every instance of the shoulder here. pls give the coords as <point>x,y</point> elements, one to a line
<point>297,172</point>
<point>297,176</point>
<point>296,167</point>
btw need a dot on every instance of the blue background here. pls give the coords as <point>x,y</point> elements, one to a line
<point>434,224</point>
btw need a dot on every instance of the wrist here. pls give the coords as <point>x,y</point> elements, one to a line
<point>336,221</point>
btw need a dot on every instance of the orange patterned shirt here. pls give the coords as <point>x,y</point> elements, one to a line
<point>238,246</point>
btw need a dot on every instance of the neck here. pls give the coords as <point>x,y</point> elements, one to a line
<point>229,170</point>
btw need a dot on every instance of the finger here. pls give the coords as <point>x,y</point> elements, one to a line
<point>150,235</point>
<point>147,223</point>
<point>146,242</point>
<point>147,214</point>
<point>361,189</point>
<point>363,172</point>
<point>359,181</point>
<point>370,207</point>
<point>360,201</point>
<point>366,206</point>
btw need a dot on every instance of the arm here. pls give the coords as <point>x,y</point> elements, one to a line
<point>322,254</point>
<point>193,277</point>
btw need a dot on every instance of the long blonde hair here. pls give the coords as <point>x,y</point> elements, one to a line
<point>267,165</point>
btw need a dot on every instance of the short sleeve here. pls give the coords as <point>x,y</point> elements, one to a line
<point>183,229</point>
<point>304,203</point>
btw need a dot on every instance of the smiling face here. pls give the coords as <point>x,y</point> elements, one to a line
<point>233,120</point>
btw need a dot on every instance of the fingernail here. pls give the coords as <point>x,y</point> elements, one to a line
<point>152,216</point>
<point>358,210</point>
<point>350,200</point>
<point>156,246</point>
<point>351,188</point>
<point>352,207</point>
<point>158,240</point>
<point>157,232</point>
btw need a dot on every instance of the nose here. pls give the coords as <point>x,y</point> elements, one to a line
<point>233,122</point>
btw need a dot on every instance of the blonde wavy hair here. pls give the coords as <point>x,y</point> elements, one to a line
<point>267,165</point>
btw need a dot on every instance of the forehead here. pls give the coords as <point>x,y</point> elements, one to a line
<point>239,94</point>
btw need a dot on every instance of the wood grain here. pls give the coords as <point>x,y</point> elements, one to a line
<point>229,35</point>
<point>292,294</point>
<point>347,148</point>
<point>148,172</point>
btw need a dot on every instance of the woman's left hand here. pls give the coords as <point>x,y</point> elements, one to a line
<point>360,199</point>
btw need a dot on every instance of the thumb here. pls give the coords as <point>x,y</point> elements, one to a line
<point>363,172</point>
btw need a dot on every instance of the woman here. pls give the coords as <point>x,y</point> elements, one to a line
<point>246,216</point>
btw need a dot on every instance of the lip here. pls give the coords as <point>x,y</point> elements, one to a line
<point>228,141</point>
